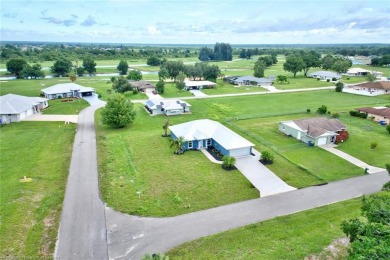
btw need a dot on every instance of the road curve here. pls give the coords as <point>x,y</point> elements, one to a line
<point>82,232</point>
<point>131,237</point>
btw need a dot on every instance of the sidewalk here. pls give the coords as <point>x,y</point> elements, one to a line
<point>331,148</point>
<point>58,118</point>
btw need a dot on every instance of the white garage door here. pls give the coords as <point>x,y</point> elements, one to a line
<point>321,141</point>
<point>240,152</point>
<point>30,112</point>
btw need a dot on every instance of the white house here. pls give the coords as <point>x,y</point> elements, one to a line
<point>167,107</point>
<point>203,133</point>
<point>249,81</point>
<point>324,75</point>
<point>67,90</point>
<point>369,88</point>
<point>14,108</point>
<point>198,84</point>
<point>313,131</point>
<point>363,72</point>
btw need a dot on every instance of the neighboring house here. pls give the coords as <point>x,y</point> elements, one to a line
<point>313,131</point>
<point>167,107</point>
<point>143,86</point>
<point>249,81</point>
<point>324,75</point>
<point>369,88</point>
<point>198,84</point>
<point>14,108</point>
<point>66,90</point>
<point>205,132</point>
<point>363,72</point>
<point>360,60</point>
<point>378,114</point>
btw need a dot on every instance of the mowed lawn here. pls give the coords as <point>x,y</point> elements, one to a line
<point>294,236</point>
<point>30,211</point>
<point>140,174</point>
<point>60,107</point>
<point>314,161</point>
<point>362,133</point>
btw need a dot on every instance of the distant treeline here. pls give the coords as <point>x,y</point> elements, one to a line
<point>38,52</point>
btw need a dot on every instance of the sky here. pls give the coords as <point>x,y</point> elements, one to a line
<point>196,21</point>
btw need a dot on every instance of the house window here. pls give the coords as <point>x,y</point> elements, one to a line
<point>284,128</point>
<point>208,142</point>
<point>190,144</point>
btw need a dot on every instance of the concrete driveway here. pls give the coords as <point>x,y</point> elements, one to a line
<point>94,100</point>
<point>331,148</point>
<point>260,176</point>
<point>59,118</point>
<point>198,93</point>
<point>153,96</point>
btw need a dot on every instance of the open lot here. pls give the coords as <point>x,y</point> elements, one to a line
<point>289,237</point>
<point>30,211</point>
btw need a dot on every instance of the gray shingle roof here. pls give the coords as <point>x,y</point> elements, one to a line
<point>319,125</point>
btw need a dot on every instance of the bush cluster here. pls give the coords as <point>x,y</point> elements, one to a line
<point>358,114</point>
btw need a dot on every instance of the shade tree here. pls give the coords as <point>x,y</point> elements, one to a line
<point>118,112</point>
<point>15,66</point>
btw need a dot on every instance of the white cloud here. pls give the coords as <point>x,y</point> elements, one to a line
<point>153,30</point>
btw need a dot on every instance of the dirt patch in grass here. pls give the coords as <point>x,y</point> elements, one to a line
<point>338,249</point>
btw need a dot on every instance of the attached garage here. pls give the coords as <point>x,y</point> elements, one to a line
<point>322,140</point>
<point>240,152</point>
<point>14,108</point>
<point>212,133</point>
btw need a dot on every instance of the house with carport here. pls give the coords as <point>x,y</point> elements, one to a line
<point>325,75</point>
<point>168,107</point>
<point>198,84</point>
<point>375,88</point>
<point>143,86</point>
<point>67,90</point>
<point>250,81</point>
<point>313,131</point>
<point>14,108</point>
<point>204,133</point>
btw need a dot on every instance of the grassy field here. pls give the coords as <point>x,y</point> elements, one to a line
<point>30,211</point>
<point>137,159</point>
<point>172,184</point>
<point>288,237</point>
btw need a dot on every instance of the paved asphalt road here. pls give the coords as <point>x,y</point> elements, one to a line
<point>131,237</point>
<point>82,233</point>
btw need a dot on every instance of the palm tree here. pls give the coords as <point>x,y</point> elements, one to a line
<point>178,144</point>
<point>165,126</point>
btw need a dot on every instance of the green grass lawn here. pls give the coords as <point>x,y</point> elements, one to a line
<point>59,107</point>
<point>288,237</point>
<point>362,133</point>
<point>30,211</point>
<point>322,165</point>
<point>137,159</point>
